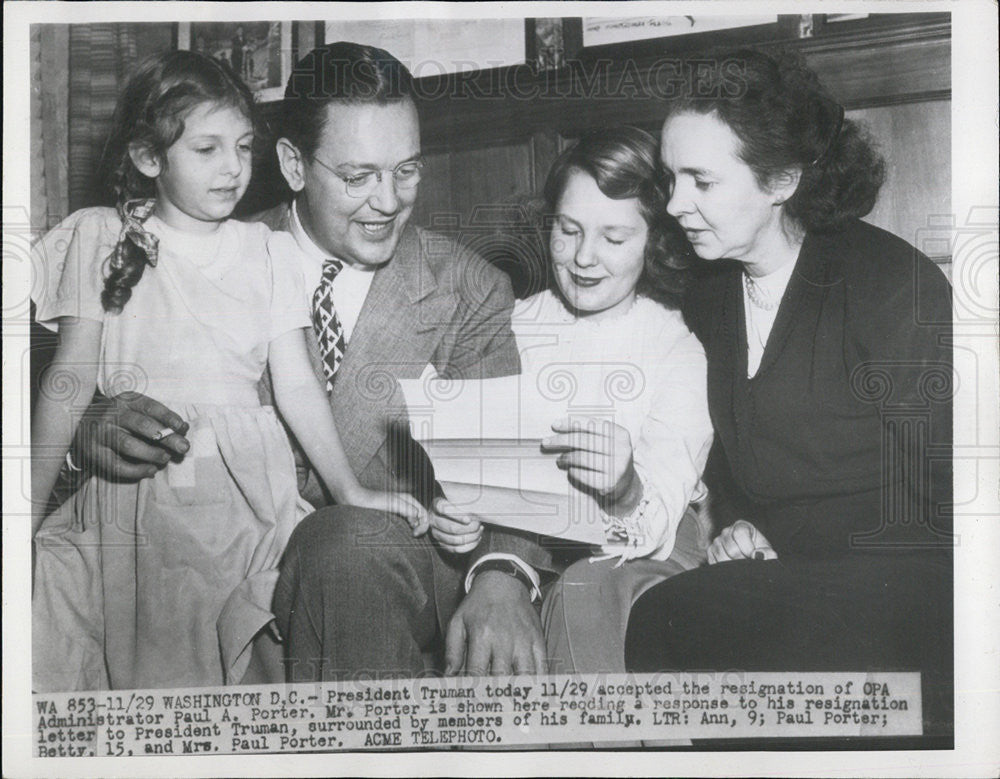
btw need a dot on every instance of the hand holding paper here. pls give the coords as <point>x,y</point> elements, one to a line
<point>485,441</point>
<point>597,455</point>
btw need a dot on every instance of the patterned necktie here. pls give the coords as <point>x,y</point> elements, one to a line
<point>329,331</point>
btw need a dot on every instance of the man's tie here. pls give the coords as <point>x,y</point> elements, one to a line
<point>329,331</point>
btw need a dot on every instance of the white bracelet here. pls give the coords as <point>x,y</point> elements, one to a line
<point>627,530</point>
<point>71,465</point>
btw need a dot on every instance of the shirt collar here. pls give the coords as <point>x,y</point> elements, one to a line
<point>307,244</point>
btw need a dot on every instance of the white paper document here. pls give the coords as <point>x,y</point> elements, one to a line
<point>484,439</point>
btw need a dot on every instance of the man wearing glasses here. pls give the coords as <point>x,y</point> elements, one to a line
<point>358,594</point>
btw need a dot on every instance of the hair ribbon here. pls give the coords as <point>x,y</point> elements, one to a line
<point>133,214</point>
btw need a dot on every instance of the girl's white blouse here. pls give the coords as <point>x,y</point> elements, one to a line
<point>643,370</point>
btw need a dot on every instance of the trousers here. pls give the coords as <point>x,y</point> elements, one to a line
<point>359,597</point>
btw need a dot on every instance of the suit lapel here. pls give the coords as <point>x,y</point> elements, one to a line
<point>277,218</point>
<point>400,325</point>
<point>729,363</point>
<point>809,279</point>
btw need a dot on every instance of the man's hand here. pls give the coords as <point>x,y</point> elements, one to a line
<point>740,541</point>
<point>495,630</point>
<point>456,530</point>
<point>128,437</point>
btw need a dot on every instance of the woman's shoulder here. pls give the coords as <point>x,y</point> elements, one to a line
<point>869,250</point>
<point>892,291</point>
<point>877,264</point>
<point>703,301</point>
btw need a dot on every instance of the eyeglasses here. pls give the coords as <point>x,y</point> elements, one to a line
<point>406,175</point>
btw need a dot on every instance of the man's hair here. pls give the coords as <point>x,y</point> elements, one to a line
<point>341,72</point>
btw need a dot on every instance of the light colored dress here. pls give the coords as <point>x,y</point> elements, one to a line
<point>164,583</point>
<point>643,370</point>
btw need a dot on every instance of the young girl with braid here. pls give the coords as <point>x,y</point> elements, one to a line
<point>167,582</point>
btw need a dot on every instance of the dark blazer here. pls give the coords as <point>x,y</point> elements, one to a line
<point>841,442</point>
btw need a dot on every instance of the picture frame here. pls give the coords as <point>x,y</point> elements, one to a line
<point>549,41</point>
<point>439,49</point>
<point>602,31</point>
<point>261,53</point>
<point>640,42</point>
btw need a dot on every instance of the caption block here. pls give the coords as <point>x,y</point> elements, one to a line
<point>479,712</point>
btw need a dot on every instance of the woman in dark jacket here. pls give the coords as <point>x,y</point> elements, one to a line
<point>829,381</point>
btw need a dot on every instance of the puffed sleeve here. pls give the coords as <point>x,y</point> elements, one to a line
<point>671,452</point>
<point>289,307</point>
<point>68,264</point>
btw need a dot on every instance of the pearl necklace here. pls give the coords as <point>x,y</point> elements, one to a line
<point>757,296</point>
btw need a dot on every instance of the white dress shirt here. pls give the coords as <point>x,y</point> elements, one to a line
<point>350,287</point>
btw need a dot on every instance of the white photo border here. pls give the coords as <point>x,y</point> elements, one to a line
<point>977,584</point>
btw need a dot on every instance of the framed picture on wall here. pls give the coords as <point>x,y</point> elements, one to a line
<point>261,53</point>
<point>545,40</point>
<point>435,48</point>
<point>603,30</point>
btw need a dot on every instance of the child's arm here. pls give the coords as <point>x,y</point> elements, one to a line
<point>57,411</point>
<point>304,406</point>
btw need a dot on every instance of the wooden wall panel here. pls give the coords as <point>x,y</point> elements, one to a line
<point>496,148</point>
<point>878,69</point>
<point>493,175</point>
<point>436,189</point>
<point>462,181</point>
<point>915,140</point>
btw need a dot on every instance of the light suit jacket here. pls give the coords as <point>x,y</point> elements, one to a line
<point>433,302</point>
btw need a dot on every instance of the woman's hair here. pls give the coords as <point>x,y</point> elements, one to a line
<point>624,162</point>
<point>339,72</point>
<point>150,112</point>
<point>784,118</point>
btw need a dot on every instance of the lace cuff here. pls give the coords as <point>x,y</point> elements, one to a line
<point>629,532</point>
